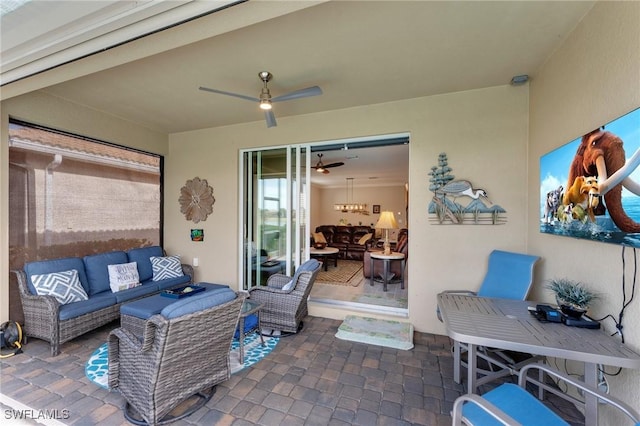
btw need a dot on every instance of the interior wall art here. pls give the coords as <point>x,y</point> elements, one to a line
<point>459,201</point>
<point>590,187</point>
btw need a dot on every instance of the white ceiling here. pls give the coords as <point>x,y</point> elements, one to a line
<point>358,52</point>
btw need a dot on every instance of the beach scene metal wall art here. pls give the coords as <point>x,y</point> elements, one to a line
<point>590,187</point>
<point>459,202</point>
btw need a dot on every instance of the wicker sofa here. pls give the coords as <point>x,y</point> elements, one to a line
<point>182,352</point>
<point>347,239</point>
<point>46,318</point>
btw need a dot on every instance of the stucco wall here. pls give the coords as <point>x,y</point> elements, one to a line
<point>593,78</point>
<point>474,128</point>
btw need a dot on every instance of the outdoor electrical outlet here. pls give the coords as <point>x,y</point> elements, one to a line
<point>196,261</point>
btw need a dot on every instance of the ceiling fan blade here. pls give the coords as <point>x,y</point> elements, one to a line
<point>297,94</point>
<point>271,119</point>
<point>334,165</point>
<point>222,92</point>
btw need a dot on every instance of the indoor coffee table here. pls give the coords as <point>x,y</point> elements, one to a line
<point>249,307</point>
<point>386,258</point>
<point>325,252</point>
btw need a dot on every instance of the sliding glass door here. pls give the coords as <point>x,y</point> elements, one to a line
<point>274,204</point>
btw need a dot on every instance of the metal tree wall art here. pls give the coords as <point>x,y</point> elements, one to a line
<point>448,193</point>
<point>196,200</point>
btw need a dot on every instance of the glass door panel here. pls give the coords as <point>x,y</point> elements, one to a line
<point>270,212</point>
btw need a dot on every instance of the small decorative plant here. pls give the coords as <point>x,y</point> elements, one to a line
<point>571,295</point>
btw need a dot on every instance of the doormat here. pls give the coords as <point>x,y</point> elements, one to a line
<point>392,334</point>
<point>97,367</point>
<point>348,273</point>
<point>372,299</point>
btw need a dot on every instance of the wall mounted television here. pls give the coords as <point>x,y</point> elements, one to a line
<point>590,187</point>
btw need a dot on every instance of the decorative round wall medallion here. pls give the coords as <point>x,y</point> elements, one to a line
<point>196,200</point>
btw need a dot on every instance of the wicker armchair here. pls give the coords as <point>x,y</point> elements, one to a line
<point>285,308</point>
<point>176,359</point>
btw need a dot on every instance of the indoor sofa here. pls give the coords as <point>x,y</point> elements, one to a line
<point>65,298</point>
<point>348,239</point>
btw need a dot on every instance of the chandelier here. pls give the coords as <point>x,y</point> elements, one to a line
<point>351,206</point>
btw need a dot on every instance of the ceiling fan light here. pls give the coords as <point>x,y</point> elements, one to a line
<point>320,169</point>
<point>265,104</point>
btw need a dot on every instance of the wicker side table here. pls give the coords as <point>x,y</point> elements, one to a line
<point>249,307</point>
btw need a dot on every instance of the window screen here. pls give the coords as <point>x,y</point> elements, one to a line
<point>74,196</point>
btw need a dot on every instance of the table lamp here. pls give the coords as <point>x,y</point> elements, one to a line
<point>387,221</point>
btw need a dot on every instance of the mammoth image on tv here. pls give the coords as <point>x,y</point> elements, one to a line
<point>590,187</point>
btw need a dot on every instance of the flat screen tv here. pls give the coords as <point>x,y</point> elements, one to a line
<point>590,187</point>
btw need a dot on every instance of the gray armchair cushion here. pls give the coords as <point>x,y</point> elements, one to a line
<point>309,265</point>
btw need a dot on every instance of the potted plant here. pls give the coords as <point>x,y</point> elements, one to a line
<point>572,296</point>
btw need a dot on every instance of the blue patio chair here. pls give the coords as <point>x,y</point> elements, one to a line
<point>509,276</point>
<point>511,404</point>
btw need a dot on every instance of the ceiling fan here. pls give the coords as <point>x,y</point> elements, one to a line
<point>265,100</point>
<point>322,168</point>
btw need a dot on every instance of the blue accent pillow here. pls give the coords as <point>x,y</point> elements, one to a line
<point>250,323</point>
<point>64,286</point>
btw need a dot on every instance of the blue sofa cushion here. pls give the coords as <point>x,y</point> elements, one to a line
<point>97,270</point>
<point>170,282</point>
<point>56,265</point>
<point>136,292</point>
<point>198,302</point>
<point>95,302</point>
<point>143,257</point>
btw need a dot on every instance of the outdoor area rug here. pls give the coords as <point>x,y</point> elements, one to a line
<point>348,272</point>
<point>392,334</point>
<point>97,367</point>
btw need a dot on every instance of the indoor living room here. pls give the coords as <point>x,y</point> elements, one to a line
<point>350,189</point>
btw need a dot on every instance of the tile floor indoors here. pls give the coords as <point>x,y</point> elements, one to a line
<point>371,298</point>
<point>311,378</point>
